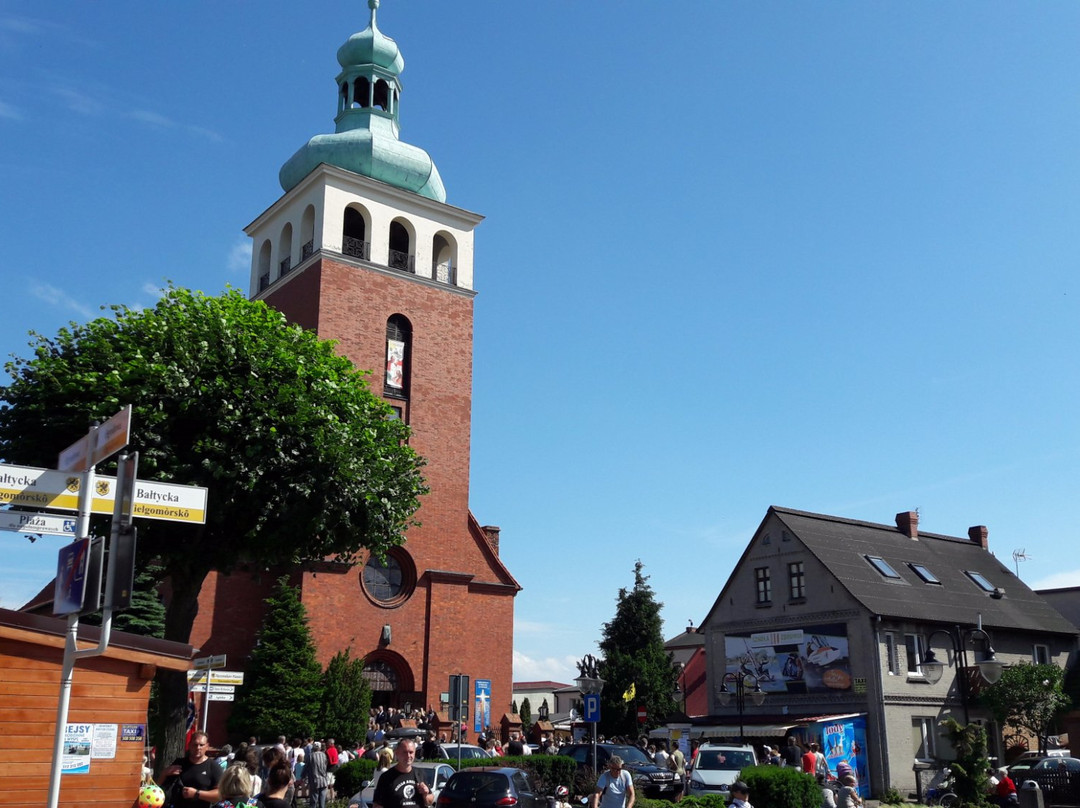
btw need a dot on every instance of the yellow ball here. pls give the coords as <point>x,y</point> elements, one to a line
<point>151,797</point>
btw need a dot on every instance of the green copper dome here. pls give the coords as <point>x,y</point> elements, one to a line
<point>366,137</point>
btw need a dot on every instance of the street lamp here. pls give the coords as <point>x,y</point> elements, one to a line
<point>543,713</point>
<point>739,680</point>
<point>990,668</point>
<point>589,683</point>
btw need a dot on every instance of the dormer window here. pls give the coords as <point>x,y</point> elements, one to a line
<point>883,566</point>
<point>979,580</point>
<point>924,573</point>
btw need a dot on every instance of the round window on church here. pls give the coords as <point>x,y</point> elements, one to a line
<point>388,581</point>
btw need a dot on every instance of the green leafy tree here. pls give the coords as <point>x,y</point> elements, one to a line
<point>283,683</point>
<point>301,461</point>
<point>346,699</point>
<point>1027,698</point>
<point>526,716</point>
<point>971,769</point>
<point>634,657</point>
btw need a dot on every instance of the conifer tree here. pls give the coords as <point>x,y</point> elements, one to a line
<point>346,699</point>
<point>526,715</point>
<point>636,668</point>
<point>283,684</point>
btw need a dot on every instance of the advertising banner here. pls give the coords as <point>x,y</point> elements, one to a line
<point>78,740</point>
<point>845,742</point>
<point>812,659</point>
<point>482,705</point>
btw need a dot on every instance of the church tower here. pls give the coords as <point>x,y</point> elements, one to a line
<point>362,248</point>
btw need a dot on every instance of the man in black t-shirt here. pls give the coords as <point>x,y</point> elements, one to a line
<point>399,787</point>
<point>193,779</point>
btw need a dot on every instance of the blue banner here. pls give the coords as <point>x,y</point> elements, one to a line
<point>482,705</point>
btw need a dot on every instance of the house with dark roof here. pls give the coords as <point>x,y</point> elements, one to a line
<point>830,624</point>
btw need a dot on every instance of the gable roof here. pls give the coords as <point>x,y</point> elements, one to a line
<point>843,544</point>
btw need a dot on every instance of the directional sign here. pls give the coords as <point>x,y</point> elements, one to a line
<point>213,688</point>
<point>47,524</point>
<point>208,662</point>
<point>219,697</point>
<point>592,707</point>
<point>217,677</point>
<point>45,488</point>
<point>107,439</point>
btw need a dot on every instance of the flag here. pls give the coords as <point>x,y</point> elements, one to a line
<point>630,693</point>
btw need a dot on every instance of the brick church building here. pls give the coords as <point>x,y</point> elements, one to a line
<point>363,248</point>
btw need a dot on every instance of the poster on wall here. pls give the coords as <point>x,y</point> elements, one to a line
<point>78,740</point>
<point>104,741</point>
<point>844,741</point>
<point>482,705</point>
<point>812,659</point>
<point>395,363</point>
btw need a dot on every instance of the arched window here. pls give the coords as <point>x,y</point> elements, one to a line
<point>382,94</point>
<point>442,260</point>
<point>381,676</point>
<point>343,97</point>
<point>264,265</point>
<point>361,92</point>
<point>401,256</point>
<point>354,234</point>
<point>285,250</point>
<point>307,233</point>
<point>398,356</point>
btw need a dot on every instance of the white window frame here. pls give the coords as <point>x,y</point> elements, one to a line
<point>926,726</point>
<point>892,657</point>
<point>914,660</point>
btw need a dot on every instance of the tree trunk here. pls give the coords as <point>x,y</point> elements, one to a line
<point>180,613</point>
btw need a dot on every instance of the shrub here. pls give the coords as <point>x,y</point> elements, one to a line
<point>704,801</point>
<point>781,787</point>
<point>892,796</point>
<point>347,778</point>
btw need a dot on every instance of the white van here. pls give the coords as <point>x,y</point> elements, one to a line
<point>717,766</point>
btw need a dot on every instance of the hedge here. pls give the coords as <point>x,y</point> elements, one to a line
<point>347,778</point>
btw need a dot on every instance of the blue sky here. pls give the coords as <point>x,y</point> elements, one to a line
<point>818,255</point>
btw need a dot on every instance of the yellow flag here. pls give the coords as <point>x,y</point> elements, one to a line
<point>630,693</point>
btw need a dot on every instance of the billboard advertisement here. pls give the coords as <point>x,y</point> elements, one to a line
<point>811,659</point>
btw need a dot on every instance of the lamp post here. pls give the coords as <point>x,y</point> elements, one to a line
<point>589,683</point>
<point>739,680</point>
<point>680,684</point>
<point>959,637</point>
<point>543,712</point>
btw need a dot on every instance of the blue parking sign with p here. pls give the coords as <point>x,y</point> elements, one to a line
<point>592,708</point>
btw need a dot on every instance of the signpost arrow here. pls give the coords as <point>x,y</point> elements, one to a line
<point>46,524</point>
<point>46,488</point>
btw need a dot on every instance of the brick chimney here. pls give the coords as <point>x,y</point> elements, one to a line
<point>908,523</point>
<point>492,534</point>
<point>978,534</point>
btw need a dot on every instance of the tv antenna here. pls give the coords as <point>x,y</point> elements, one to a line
<point>1018,556</point>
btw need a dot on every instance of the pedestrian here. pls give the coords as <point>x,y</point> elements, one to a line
<point>828,798</point>
<point>740,795</point>
<point>235,786</point>
<point>400,787</point>
<point>191,781</point>
<point>615,787</point>
<point>792,754</point>
<point>821,765</point>
<point>316,772</point>
<point>808,761</point>
<point>849,795</point>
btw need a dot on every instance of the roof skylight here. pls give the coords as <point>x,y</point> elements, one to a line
<point>980,580</point>
<point>924,573</point>
<point>882,566</point>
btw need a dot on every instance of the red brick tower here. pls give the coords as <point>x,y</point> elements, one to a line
<point>363,249</point>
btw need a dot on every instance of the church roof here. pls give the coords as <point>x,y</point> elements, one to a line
<point>366,138</point>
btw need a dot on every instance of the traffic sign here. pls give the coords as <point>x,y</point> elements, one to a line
<point>71,572</point>
<point>641,715</point>
<point>592,707</point>
<point>46,524</point>
<point>219,697</point>
<point>217,677</point>
<point>101,442</point>
<point>46,488</point>
<point>209,662</point>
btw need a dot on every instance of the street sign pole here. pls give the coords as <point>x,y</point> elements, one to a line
<point>207,664</point>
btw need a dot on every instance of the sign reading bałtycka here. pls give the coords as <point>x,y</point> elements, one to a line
<point>45,488</point>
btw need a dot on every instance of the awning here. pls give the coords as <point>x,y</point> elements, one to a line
<point>731,731</point>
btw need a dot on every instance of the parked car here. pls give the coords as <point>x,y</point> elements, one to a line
<point>450,751</point>
<point>435,775</point>
<point>490,787</point>
<point>654,782</point>
<point>1056,764</point>
<point>717,766</point>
